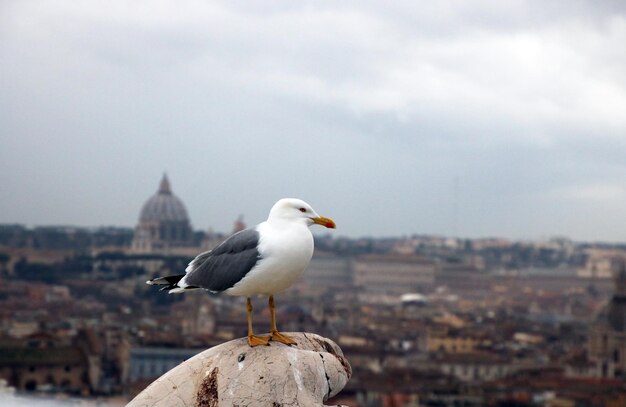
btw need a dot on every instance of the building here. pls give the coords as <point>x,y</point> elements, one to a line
<point>150,363</point>
<point>452,341</point>
<point>394,274</point>
<point>328,272</point>
<point>43,361</point>
<point>474,366</point>
<point>607,340</point>
<point>463,279</point>
<point>163,223</point>
<point>600,263</point>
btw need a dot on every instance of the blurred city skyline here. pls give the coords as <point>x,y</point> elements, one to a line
<point>471,119</point>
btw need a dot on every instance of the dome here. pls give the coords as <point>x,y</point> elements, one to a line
<point>163,206</point>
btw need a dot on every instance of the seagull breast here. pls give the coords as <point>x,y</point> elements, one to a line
<point>285,250</point>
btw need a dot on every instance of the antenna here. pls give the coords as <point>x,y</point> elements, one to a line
<point>455,208</point>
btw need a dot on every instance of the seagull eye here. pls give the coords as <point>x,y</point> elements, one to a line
<point>302,209</point>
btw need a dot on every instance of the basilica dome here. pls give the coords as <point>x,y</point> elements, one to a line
<point>163,223</point>
<point>163,206</point>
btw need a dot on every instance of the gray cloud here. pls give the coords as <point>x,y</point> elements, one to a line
<point>369,112</point>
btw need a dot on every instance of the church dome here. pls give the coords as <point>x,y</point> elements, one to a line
<point>164,206</point>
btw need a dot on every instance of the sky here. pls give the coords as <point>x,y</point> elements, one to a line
<point>460,118</point>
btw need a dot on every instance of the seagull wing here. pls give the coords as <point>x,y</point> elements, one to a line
<point>224,266</point>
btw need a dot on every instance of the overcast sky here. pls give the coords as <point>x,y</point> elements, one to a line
<point>469,118</point>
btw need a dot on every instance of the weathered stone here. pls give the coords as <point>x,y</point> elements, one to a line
<point>234,374</point>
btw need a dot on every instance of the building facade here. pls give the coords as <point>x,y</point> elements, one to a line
<point>394,274</point>
<point>607,341</point>
<point>41,362</point>
<point>150,363</point>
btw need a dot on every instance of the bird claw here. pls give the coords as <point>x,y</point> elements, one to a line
<point>256,340</point>
<point>282,338</point>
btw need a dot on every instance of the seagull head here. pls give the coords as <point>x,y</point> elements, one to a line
<point>296,210</point>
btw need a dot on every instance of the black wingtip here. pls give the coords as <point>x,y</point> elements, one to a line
<point>169,282</point>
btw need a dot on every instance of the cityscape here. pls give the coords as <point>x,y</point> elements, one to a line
<point>471,155</point>
<point>423,320</point>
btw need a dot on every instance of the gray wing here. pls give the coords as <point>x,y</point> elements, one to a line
<point>224,266</point>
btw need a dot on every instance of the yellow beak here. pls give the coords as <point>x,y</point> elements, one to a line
<point>321,220</point>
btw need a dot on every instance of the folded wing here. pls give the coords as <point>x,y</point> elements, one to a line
<point>227,264</point>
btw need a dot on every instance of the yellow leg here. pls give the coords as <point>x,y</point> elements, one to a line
<point>274,334</point>
<point>254,340</point>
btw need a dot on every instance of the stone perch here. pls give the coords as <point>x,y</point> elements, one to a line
<point>234,374</point>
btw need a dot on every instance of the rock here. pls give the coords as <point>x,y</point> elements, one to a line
<point>234,374</point>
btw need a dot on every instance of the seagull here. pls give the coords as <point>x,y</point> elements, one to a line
<point>263,260</point>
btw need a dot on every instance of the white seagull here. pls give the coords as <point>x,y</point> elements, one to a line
<point>263,260</point>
